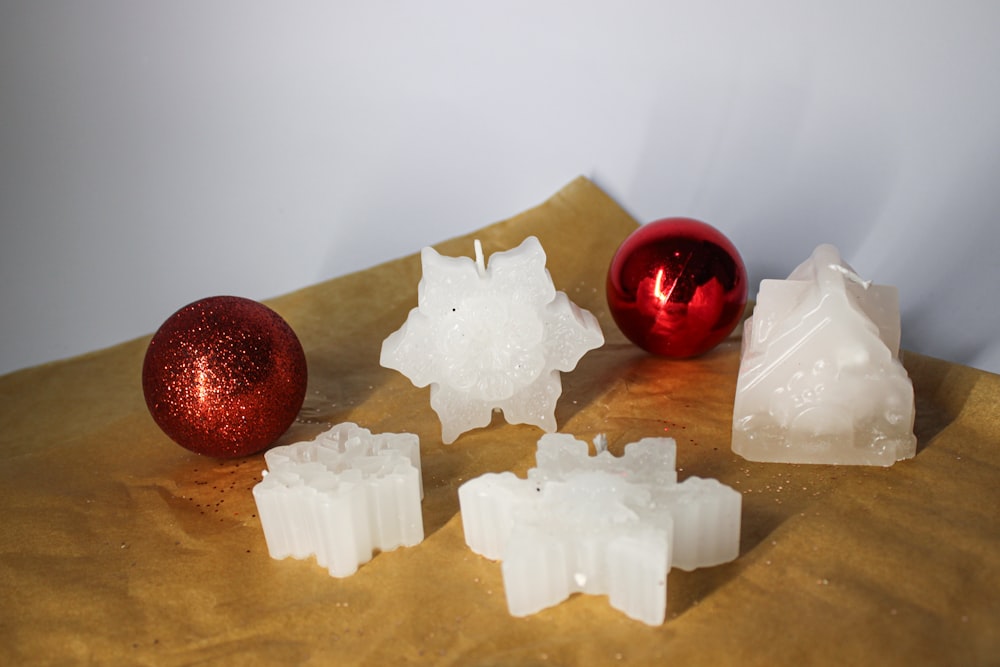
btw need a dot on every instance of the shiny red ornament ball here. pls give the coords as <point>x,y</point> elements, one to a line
<point>677,287</point>
<point>224,376</point>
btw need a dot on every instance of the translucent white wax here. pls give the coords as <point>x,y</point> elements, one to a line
<point>820,378</point>
<point>341,496</point>
<point>488,338</point>
<point>599,525</point>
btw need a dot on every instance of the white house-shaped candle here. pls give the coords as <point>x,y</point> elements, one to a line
<point>599,525</point>
<point>488,338</point>
<point>820,378</point>
<point>341,496</point>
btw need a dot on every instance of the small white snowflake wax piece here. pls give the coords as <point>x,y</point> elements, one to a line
<point>820,378</point>
<point>341,496</point>
<point>488,338</point>
<point>599,525</point>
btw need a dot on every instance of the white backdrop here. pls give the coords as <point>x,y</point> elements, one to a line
<point>153,153</point>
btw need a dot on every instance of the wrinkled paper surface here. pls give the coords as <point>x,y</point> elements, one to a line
<point>118,546</point>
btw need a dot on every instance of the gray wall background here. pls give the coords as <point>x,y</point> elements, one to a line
<point>153,153</point>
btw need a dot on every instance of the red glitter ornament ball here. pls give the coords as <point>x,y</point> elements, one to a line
<point>224,376</point>
<point>677,287</point>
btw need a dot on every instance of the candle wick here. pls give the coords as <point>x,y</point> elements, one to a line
<point>480,262</point>
<point>851,275</point>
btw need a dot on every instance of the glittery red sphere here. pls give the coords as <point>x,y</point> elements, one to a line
<point>224,376</point>
<point>677,287</point>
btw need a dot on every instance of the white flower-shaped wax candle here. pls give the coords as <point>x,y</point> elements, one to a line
<point>599,524</point>
<point>341,496</point>
<point>488,338</point>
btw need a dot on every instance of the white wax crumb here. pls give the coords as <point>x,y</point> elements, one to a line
<point>341,496</point>
<point>599,525</point>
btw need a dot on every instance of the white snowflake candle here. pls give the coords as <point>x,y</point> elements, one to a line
<point>599,525</point>
<point>341,496</point>
<point>488,338</point>
<point>820,379</point>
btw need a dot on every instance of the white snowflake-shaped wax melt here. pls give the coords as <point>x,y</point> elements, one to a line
<point>488,338</point>
<point>341,496</point>
<point>599,525</point>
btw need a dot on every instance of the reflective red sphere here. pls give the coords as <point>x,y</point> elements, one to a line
<point>224,376</point>
<point>677,287</point>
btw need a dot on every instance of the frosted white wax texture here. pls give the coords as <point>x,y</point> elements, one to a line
<point>820,378</point>
<point>491,337</point>
<point>341,496</point>
<point>599,525</point>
